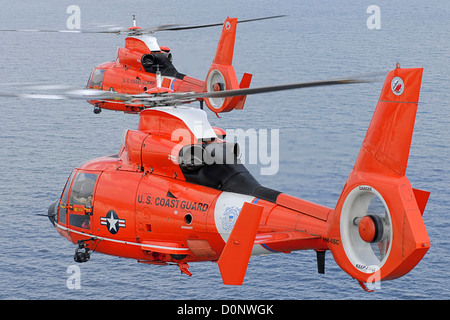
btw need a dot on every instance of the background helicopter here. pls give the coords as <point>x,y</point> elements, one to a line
<point>143,68</point>
<point>220,91</point>
<point>138,63</point>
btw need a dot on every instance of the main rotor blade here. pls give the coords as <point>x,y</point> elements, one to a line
<point>113,31</point>
<point>66,93</point>
<point>165,99</point>
<point>282,87</point>
<point>216,24</point>
<point>42,30</point>
<point>151,30</point>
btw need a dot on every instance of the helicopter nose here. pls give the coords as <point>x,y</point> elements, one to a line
<point>52,212</point>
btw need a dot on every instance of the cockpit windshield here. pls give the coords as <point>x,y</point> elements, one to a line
<point>83,189</point>
<point>96,79</point>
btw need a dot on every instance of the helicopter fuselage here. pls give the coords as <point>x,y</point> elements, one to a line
<point>158,203</point>
<point>134,72</point>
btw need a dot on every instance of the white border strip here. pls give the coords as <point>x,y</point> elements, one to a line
<point>142,245</point>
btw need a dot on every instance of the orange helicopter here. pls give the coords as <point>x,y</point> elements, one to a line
<point>143,68</point>
<point>162,200</point>
<point>138,63</point>
<point>177,193</point>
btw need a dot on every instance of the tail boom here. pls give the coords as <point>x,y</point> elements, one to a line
<point>375,232</point>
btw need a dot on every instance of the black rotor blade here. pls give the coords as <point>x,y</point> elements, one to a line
<point>216,24</point>
<point>113,31</point>
<point>42,30</point>
<point>291,86</point>
<point>122,30</point>
<point>167,99</point>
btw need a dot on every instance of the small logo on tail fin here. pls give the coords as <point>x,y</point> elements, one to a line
<point>397,86</point>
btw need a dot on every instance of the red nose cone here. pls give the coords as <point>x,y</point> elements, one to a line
<point>367,229</point>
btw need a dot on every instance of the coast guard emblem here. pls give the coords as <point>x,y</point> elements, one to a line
<point>229,218</point>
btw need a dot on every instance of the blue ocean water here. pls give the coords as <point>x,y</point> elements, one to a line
<point>321,130</point>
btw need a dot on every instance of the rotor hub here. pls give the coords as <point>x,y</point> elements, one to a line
<point>370,228</point>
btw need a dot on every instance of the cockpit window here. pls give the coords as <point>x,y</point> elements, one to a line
<point>63,204</point>
<point>97,79</point>
<point>83,189</point>
<point>81,194</point>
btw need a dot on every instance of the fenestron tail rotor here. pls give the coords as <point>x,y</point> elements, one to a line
<point>366,227</point>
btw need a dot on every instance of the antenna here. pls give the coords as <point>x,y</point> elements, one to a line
<point>134,20</point>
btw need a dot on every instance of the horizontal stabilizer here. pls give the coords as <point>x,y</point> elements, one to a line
<point>282,236</point>
<point>244,84</point>
<point>234,259</point>
<point>287,241</point>
<point>421,198</point>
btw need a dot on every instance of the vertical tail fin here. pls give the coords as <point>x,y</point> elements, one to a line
<point>221,75</point>
<point>377,222</point>
<point>385,149</point>
<point>225,47</point>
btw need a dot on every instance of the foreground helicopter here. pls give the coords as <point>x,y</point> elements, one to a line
<point>176,192</point>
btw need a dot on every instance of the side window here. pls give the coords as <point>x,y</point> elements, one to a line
<point>81,200</point>
<point>88,85</point>
<point>63,204</point>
